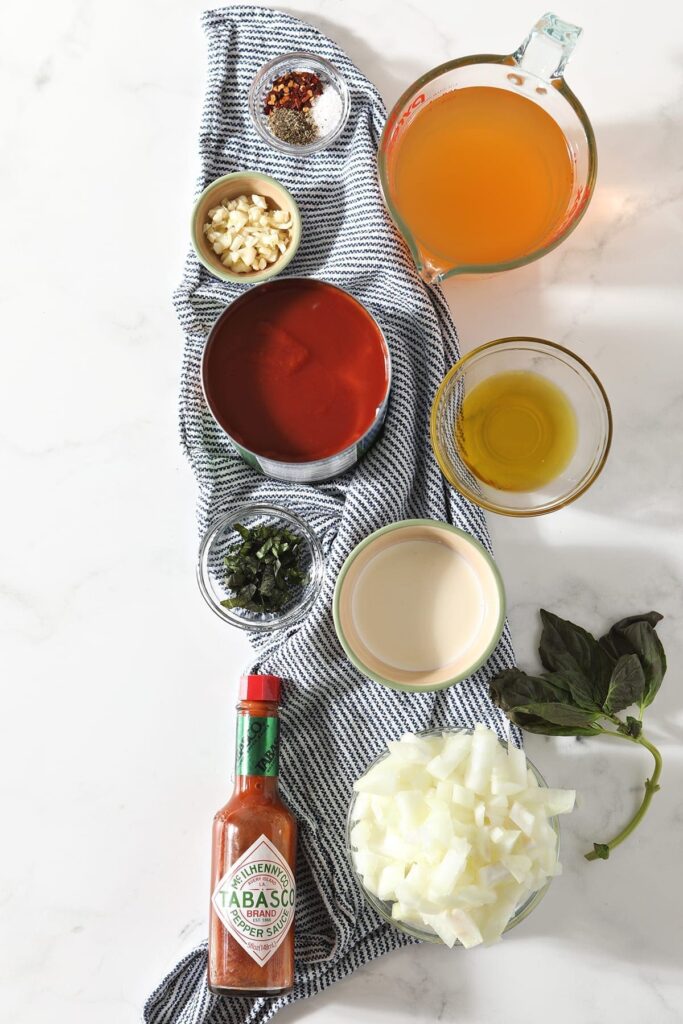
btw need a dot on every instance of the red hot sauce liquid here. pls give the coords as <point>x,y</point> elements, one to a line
<point>296,370</point>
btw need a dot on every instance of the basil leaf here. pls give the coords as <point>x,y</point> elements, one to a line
<point>561,714</point>
<point>627,684</point>
<point>512,688</point>
<point>246,592</point>
<point>532,723</point>
<point>265,548</point>
<point>263,569</point>
<point>267,582</point>
<point>539,704</point>
<point>615,644</point>
<point>637,635</point>
<point>576,655</point>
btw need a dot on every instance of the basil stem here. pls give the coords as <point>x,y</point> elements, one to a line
<point>601,851</point>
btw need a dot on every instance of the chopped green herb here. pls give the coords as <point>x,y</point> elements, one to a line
<point>263,571</point>
<point>587,683</point>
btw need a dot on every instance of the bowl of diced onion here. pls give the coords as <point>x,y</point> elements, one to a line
<point>245,227</point>
<point>453,835</point>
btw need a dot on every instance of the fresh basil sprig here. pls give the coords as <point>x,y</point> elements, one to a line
<point>586,684</point>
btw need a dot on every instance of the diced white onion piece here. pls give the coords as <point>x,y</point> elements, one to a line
<point>555,801</point>
<point>418,879</point>
<point>505,838</point>
<point>462,796</point>
<point>482,754</point>
<point>362,807</point>
<point>444,790</point>
<point>475,896</point>
<point>382,808</point>
<point>494,918</point>
<point>456,749</point>
<point>519,866</point>
<point>455,926</point>
<point>412,808</point>
<point>523,818</point>
<point>517,766</point>
<point>438,826</point>
<point>442,926</point>
<point>408,752</point>
<point>391,876</point>
<point>493,874</point>
<point>380,780</point>
<point>369,866</point>
<point>364,833</point>
<point>449,870</point>
<point>400,912</point>
<point>455,842</point>
<point>395,846</point>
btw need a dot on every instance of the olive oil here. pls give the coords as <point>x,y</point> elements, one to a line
<point>516,431</point>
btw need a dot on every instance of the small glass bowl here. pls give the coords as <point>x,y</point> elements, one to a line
<point>300,60</point>
<point>584,392</point>
<point>222,537</point>
<point>383,907</point>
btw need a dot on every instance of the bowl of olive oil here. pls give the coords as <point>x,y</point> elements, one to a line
<point>521,426</point>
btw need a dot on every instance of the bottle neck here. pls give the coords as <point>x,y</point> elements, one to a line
<point>257,747</point>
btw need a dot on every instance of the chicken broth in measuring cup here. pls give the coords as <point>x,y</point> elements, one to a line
<point>483,176</point>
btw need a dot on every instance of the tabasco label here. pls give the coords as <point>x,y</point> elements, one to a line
<point>258,740</point>
<point>255,900</point>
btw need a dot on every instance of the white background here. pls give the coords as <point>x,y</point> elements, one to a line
<point>118,684</point>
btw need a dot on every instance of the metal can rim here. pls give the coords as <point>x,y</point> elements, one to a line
<point>315,466</point>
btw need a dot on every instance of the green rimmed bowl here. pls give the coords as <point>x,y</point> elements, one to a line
<point>470,657</point>
<point>229,187</point>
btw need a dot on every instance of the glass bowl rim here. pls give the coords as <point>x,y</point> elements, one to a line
<point>379,906</point>
<point>336,78</point>
<point>552,348</point>
<point>336,600</point>
<point>310,592</point>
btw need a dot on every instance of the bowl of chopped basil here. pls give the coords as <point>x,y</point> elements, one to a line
<point>260,567</point>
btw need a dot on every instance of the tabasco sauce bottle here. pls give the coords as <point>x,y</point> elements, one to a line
<point>251,929</point>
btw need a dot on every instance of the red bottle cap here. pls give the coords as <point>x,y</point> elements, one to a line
<point>260,688</point>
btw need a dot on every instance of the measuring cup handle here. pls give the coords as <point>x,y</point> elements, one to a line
<point>548,47</point>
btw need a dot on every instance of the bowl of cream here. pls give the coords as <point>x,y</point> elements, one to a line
<point>419,605</point>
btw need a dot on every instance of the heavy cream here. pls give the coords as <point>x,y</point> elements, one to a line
<point>418,605</point>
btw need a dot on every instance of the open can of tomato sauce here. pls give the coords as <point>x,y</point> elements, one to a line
<point>297,373</point>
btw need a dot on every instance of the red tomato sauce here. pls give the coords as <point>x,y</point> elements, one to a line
<point>295,370</point>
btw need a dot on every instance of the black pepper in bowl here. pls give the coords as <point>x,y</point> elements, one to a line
<point>292,126</point>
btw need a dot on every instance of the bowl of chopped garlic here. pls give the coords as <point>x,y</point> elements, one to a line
<point>246,227</point>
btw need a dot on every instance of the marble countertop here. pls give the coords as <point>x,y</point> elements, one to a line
<point>116,710</point>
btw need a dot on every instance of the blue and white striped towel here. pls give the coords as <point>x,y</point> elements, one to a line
<point>334,722</point>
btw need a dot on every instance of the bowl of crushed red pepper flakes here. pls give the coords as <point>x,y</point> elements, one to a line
<point>299,103</point>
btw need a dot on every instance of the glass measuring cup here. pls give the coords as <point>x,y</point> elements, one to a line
<point>534,71</point>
